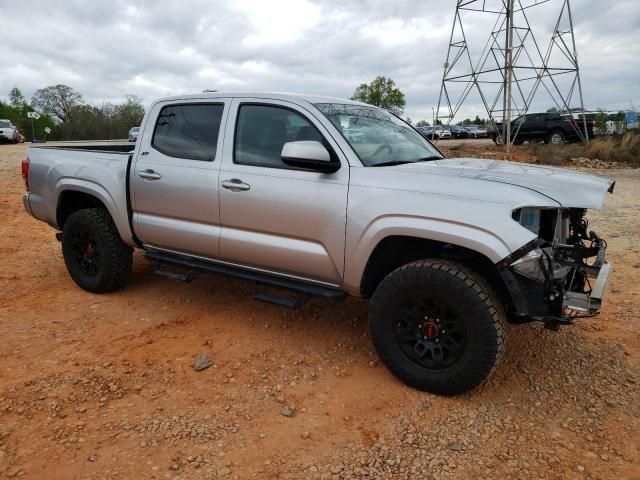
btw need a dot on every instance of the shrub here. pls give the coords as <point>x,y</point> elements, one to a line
<point>602,148</point>
<point>556,155</point>
<point>623,149</point>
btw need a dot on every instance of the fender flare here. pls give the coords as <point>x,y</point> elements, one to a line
<point>120,218</point>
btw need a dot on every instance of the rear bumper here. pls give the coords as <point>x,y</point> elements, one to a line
<point>25,202</point>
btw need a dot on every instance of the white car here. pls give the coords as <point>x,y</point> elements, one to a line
<point>442,133</point>
<point>133,134</point>
<point>8,131</point>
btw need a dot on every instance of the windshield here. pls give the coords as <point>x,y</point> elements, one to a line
<point>5,124</point>
<point>135,129</point>
<point>377,137</point>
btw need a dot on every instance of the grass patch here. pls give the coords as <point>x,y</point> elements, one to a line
<point>556,155</point>
<point>618,148</point>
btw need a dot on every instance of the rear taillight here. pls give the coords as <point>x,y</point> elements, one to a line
<point>25,172</point>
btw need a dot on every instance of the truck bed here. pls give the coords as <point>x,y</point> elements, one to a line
<point>99,170</point>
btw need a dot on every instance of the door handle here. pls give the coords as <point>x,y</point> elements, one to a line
<point>235,185</point>
<point>149,175</point>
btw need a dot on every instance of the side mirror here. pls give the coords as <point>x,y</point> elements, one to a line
<point>309,154</point>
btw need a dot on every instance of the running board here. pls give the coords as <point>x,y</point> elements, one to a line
<point>300,288</point>
<point>188,277</point>
<point>289,302</point>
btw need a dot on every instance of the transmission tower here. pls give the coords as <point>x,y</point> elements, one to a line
<point>513,67</point>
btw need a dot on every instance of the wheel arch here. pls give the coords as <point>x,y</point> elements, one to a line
<point>76,196</point>
<point>394,251</point>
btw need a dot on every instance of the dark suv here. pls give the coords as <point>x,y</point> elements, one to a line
<point>553,128</point>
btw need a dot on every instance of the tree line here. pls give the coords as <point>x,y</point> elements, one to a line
<point>65,112</point>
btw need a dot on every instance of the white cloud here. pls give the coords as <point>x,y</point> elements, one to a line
<point>107,49</point>
<point>278,21</point>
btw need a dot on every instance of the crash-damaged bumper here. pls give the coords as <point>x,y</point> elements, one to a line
<point>588,303</point>
<point>559,278</point>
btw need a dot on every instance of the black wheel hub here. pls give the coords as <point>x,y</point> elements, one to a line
<point>86,252</point>
<point>429,333</point>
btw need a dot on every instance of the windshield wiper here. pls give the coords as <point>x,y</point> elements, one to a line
<point>390,163</point>
<point>402,162</point>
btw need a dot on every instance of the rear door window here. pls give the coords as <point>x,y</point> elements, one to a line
<point>188,131</point>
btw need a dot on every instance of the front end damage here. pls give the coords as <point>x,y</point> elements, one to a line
<point>562,274</point>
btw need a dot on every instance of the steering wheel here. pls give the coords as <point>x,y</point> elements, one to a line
<point>379,150</point>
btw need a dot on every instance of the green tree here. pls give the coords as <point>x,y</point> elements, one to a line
<point>601,120</point>
<point>552,110</point>
<point>422,123</point>
<point>18,116</point>
<point>381,92</point>
<point>16,99</point>
<point>58,101</point>
<point>131,112</point>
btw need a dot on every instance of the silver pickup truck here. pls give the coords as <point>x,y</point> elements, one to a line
<point>315,196</point>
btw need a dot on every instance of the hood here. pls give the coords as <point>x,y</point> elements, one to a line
<point>569,188</point>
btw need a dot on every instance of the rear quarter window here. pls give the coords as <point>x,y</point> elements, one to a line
<point>188,131</point>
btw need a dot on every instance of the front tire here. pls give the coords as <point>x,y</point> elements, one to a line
<point>437,326</point>
<point>96,257</point>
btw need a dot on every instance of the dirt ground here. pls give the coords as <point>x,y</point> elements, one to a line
<point>102,386</point>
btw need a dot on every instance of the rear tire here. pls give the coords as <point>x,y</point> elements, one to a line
<point>437,326</point>
<point>96,257</point>
<point>556,138</point>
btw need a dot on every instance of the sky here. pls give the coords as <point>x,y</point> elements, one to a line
<point>108,49</point>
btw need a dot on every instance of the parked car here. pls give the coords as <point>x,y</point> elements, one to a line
<point>266,187</point>
<point>8,132</point>
<point>555,128</point>
<point>459,132</point>
<point>427,132</point>
<point>133,134</point>
<point>477,131</point>
<point>441,133</point>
